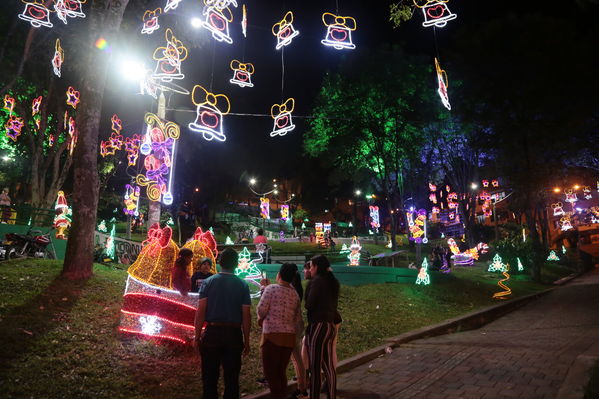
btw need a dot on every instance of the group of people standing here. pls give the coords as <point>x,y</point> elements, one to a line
<point>223,321</point>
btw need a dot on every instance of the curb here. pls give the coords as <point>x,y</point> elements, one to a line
<point>579,374</point>
<point>469,321</point>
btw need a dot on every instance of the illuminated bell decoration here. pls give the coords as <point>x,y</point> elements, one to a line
<point>374,216</point>
<point>131,200</point>
<point>171,5</point>
<point>570,196</point>
<point>507,290</point>
<point>72,97</point>
<point>244,22</point>
<point>284,30</point>
<point>242,73</point>
<point>435,13</point>
<point>150,20</point>
<point>566,223</point>
<point>265,208</point>
<point>202,245</point>
<point>169,58</point>
<point>443,83</point>
<point>423,277</point>
<point>13,127</point>
<point>209,113</point>
<point>284,212</point>
<point>217,22</point>
<point>281,113</point>
<point>558,209</point>
<point>354,252</point>
<point>339,31</point>
<point>58,58</point>
<point>36,14</point>
<point>151,307</point>
<point>69,8</point>
<point>586,190</point>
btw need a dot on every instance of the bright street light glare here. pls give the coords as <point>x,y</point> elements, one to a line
<point>252,181</point>
<point>474,186</point>
<point>196,22</point>
<point>358,192</point>
<point>133,70</point>
<point>276,191</point>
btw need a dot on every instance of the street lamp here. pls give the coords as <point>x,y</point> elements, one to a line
<point>358,193</point>
<point>252,181</point>
<point>196,22</point>
<point>474,186</point>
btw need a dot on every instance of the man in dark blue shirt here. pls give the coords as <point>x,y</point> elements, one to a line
<point>225,307</point>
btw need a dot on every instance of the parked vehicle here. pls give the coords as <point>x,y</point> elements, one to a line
<point>33,244</point>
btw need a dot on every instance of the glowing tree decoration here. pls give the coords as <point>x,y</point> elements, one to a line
<point>36,14</point>
<point>110,247</point>
<point>423,277</point>
<point>151,307</point>
<point>552,256</point>
<point>520,265</point>
<point>354,254</point>
<point>242,73</point>
<point>159,147</point>
<point>506,290</point>
<point>171,5</point>
<point>284,30</point>
<point>209,113</point>
<point>558,209</point>
<point>102,227</point>
<point>131,200</point>
<point>62,220</point>
<point>435,12</point>
<point>150,20</point>
<point>566,223</point>
<point>374,217</point>
<point>244,22</point>
<point>339,31</point>
<point>132,148</point>
<point>9,104</point>
<point>69,8</point>
<point>497,265</point>
<point>443,84</point>
<point>265,208</point>
<point>281,113</point>
<point>247,270</point>
<point>586,190</point>
<point>203,245</point>
<point>344,249</point>
<point>168,59</point>
<point>58,58</point>
<point>570,196</point>
<point>228,241</point>
<point>217,20</point>
<point>73,97</point>
<point>284,212</point>
<point>13,127</point>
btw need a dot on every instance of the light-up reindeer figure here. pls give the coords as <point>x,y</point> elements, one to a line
<point>281,113</point>
<point>209,113</point>
<point>242,73</point>
<point>169,59</point>
<point>284,30</point>
<point>339,31</point>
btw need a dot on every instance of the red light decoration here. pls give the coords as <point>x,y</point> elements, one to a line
<point>209,113</point>
<point>132,147</point>
<point>339,31</point>
<point>9,104</point>
<point>281,113</point>
<point>218,17</point>
<point>242,73</point>
<point>35,105</point>
<point>284,30</point>
<point>150,20</point>
<point>73,97</point>
<point>13,127</point>
<point>36,14</point>
<point>69,8</point>
<point>168,59</point>
<point>443,84</point>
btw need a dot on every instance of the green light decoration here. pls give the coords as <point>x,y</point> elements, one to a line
<point>102,227</point>
<point>520,265</point>
<point>170,222</point>
<point>247,270</point>
<point>423,277</point>
<point>506,290</point>
<point>110,247</point>
<point>344,249</point>
<point>303,226</point>
<point>553,256</point>
<point>113,220</point>
<point>563,249</point>
<point>211,231</point>
<point>29,222</point>
<point>228,241</point>
<point>350,224</point>
<point>497,265</point>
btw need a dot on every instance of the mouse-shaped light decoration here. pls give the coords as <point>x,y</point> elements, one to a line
<point>284,30</point>
<point>558,209</point>
<point>169,58</point>
<point>242,73</point>
<point>339,31</point>
<point>150,20</point>
<point>209,113</point>
<point>436,13</point>
<point>281,113</point>
<point>36,13</point>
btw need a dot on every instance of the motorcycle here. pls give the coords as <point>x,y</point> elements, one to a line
<point>33,244</point>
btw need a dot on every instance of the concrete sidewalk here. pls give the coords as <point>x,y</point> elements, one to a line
<point>525,354</point>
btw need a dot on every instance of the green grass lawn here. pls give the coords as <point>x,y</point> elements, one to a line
<point>59,338</point>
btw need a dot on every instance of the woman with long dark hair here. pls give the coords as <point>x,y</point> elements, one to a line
<point>322,296</point>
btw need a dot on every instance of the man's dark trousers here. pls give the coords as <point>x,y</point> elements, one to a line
<point>221,345</point>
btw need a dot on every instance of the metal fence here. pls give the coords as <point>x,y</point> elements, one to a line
<point>26,214</point>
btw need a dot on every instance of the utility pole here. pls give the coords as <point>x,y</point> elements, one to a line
<point>154,206</point>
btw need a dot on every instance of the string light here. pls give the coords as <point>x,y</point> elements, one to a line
<point>506,290</point>
<point>443,84</point>
<point>339,31</point>
<point>354,252</point>
<point>62,220</point>
<point>36,14</point>
<point>73,97</point>
<point>9,104</point>
<point>284,212</point>
<point>159,147</point>
<point>423,276</point>
<point>217,20</point>
<point>150,21</point>
<point>284,30</point>
<point>281,113</point>
<point>168,59</point>
<point>13,127</point>
<point>58,58</point>
<point>435,13</point>
<point>209,113</point>
<point>171,5</point>
<point>497,265</point>
<point>244,22</point>
<point>69,8</point>
<point>242,73</point>
<point>265,208</point>
<point>374,216</point>
<point>558,209</point>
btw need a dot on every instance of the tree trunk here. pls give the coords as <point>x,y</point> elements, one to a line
<point>104,21</point>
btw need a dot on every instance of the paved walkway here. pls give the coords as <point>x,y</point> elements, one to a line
<point>526,354</point>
